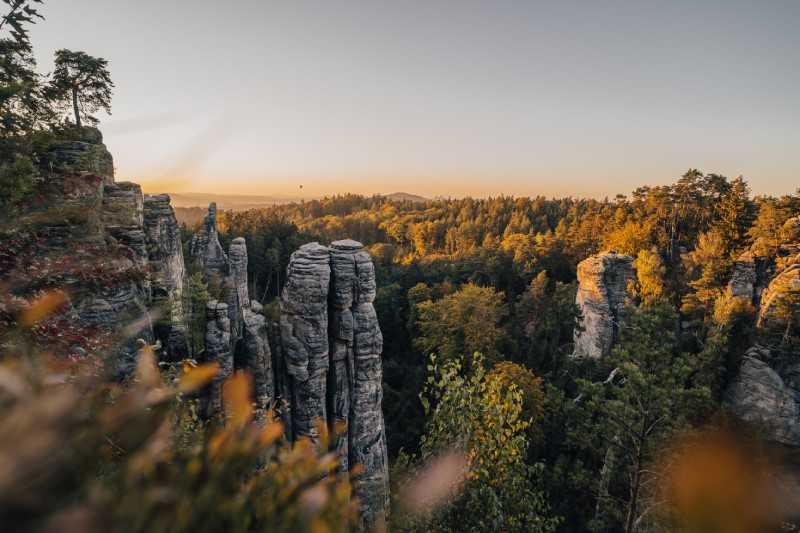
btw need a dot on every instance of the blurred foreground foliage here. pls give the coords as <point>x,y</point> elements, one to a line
<point>81,453</point>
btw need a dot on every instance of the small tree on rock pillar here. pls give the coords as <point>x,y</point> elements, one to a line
<point>82,81</point>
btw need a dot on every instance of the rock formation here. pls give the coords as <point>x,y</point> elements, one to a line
<point>777,298</point>
<point>206,250</point>
<point>218,349</point>
<point>602,294</point>
<point>257,357</point>
<point>304,335</point>
<point>123,217</point>
<point>766,390</point>
<point>761,396</point>
<point>82,150</point>
<point>118,254</point>
<point>337,381</point>
<point>352,296</point>
<point>120,258</point>
<point>168,272</point>
<point>236,286</point>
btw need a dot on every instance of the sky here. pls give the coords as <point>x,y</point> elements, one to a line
<point>441,98</point>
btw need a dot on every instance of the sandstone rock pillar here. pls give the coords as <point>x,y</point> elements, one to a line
<point>165,254</point>
<point>304,336</point>
<point>602,294</point>
<point>218,349</point>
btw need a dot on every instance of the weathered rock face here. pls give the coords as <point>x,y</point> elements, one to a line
<point>236,286</point>
<point>168,271</point>
<point>766,390</point>
<point>602,293</point>
<point>777,298</point>
<point>257,357</point>
<point>354,273</point>
<point>304,335</point>
<point>206,250</point>
<point>743,280</point>
<point>218,349</point>
<point>344,285</point>
<point>337,283</point>
<point>120,308</point>
<point>83,152</point>
<point>749,278</point>
<point>760,395</point>
<point>69,209</point>
<point>90,232</point>
<point>122,216</point>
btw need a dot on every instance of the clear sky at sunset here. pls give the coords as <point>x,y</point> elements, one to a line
<point>442,97</point>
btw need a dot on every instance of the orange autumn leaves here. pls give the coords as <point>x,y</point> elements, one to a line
<point>42,307</point>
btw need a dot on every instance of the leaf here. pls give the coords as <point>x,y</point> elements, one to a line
<point>147,374</point>
<point>42,307</point>
<point>270,434</point>
<point>237,394</point>
<point>197,377</point>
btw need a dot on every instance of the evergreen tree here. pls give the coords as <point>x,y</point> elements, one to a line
<point>650,395</point>
<point>82,82</point>
<point>734,215</point>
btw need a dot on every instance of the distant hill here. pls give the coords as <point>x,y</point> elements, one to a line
<point>406,197</point>
<point>227,202</point>
<point>191,207</point>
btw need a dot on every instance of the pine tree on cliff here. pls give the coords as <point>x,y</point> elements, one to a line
<point>82,81</point>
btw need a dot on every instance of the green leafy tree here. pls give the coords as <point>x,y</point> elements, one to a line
<point>734,214</point>
<point>766,230</point>
<point>196,296</point>
<point>82,82</point>
<point>16,180</point>
<point>630,239</point>
<point>466,321</point>
<point>481,416</point>
<point>650,272</point>
<point>709,266</point>
<point>22,102</point>
<point>545,317</point>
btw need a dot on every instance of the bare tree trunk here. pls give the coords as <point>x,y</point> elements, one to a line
<point>609,465</point>
<point>630,523</point>
<point>75,107</point>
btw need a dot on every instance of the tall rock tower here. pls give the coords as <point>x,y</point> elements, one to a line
<point>332,348</point>
<point>602,293</point>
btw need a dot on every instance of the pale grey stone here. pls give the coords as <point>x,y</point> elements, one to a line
<point>603,281</point>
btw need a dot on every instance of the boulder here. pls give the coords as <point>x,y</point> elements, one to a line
<point>603,281</point>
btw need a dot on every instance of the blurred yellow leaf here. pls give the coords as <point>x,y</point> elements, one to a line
<point>441,479</point>
<point>42,307</point>
<point>237,396</point>
<point>271,433</point>
<point>147,373</point>
<point>196,377</point>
